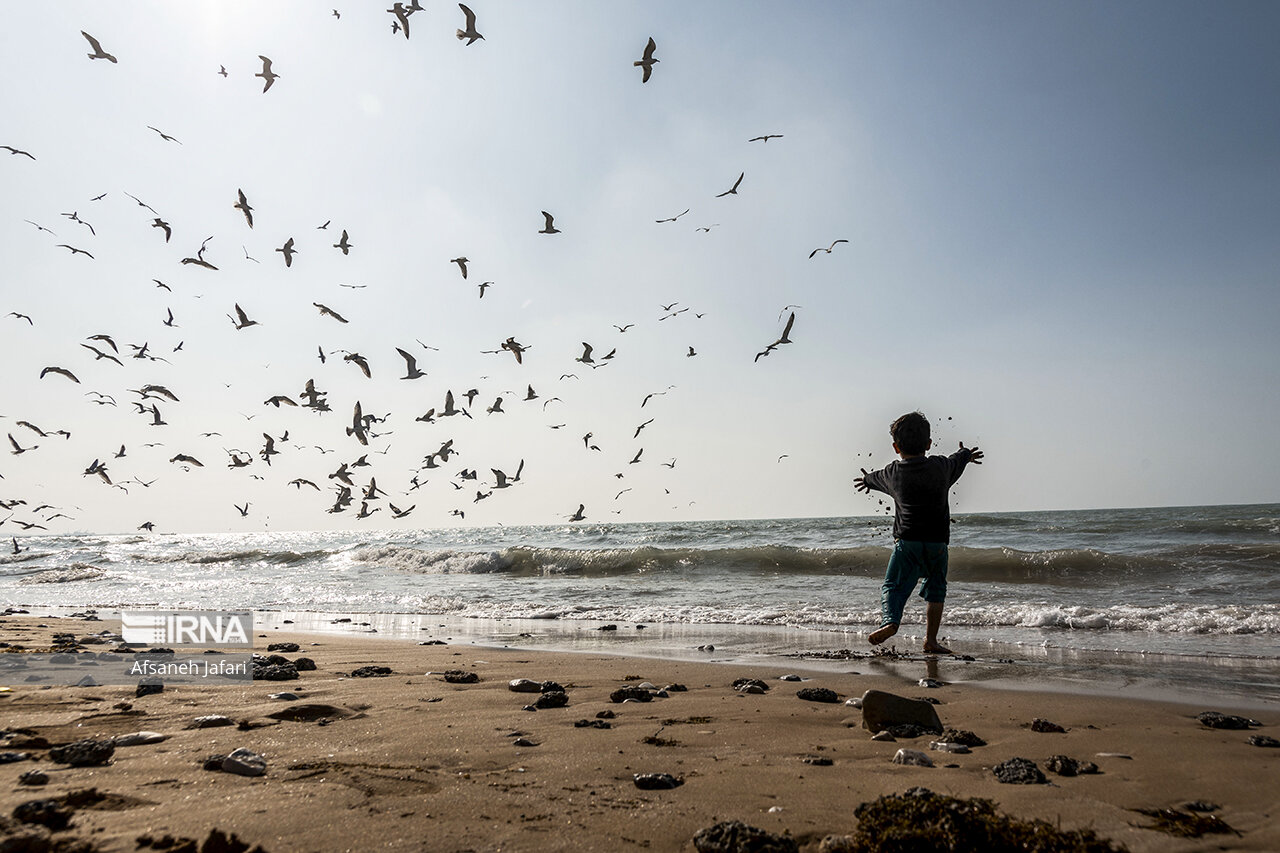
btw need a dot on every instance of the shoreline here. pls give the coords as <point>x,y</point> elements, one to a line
<point>424,764</point>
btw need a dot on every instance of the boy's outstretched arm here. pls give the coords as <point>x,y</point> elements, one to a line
<point>975,455</point>
<point>860,483</point>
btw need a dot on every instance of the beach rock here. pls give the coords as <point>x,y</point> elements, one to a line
<point>304,665</point>
<point>912,757</point>
<point>622,694</point>
<point>817,694</point>
<point>554,699</point>
<point>750,685</point>
<point>839,844</point>
<point>884,736</point>
<point>83,753</point>
<point>908,730</point>
<point>1044,726</point>
<point>948,746</point>
<point>139,738</point>
<point>1201,806</point>
<point>371,671</point>
<point>732,836</point>
<point>930,699</point>
<point>284,647</point>
<point>461,676</point>
<point>1218,720</point>
<point>147,686</point>
<point>817,760</point>
<point>284,697</point>
<point>656,781</point>
<point>930,682</point>
<point>244,762</point>
<point>213,762</point>
<point>1019,771</point>
<point>1064,766</point>
<point>552,687</point>
<point>50,813</point>
<point>274,672</point>
<point>881,710</point>
<point>790,677</point>
<point>963,736</point>
<point>606,714</point>
<point>87,681</point>
<point>210,721</point>
<point>524,685</point>
<point>523,741</point>
<point>1263,740</point>
<point>11,757</point>
<point>310,712</point>
<point>34,778</point>
<point>593,724</point>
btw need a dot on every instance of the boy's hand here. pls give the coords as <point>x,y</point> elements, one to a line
<point>975,455</point>
<point>860,484</point>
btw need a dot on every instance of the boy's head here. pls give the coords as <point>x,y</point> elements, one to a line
<point>911,434</point>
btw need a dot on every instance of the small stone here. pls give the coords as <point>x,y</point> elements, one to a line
<point>880,710</point>
<point>676,688</point>
<point>371,671</point>
<point>284,697</point>
<point>213,762</point>
<point>1019,771</point>
<point>1062,765</point>
<point>647,685</point>
<point>83,753</point>
<point>593,724</point>
<point>284,647</point>
<point>1044,726</point>
<point>87,681</point>
<point>551,687</point>
<point>907,730</point>
<point>304,665</point>
<point>733,836</point>
<point>11,757</point>
<point>1123,755</point>
<point>210,721</point>
<point>1263,740</point>
<point>555,699</point>
<point>656,781</point>
<point>930,682</point>
<point>750,685</point>
<point>523,741</point>
<point>245,762</point>
<point>1218,720</point>
<point>963,736</point>
<point>790,677</point>
<point>139,738</point>
<point>947,746</point>
<point>50,813</point>
<point>1201,806</point>
<point>622,694</point>
<point>885,736</point>
<point>34,778</point>
<point>606,714</point>
<point>817,760</point>
<point>913,757</point>
<point>461,676</point>
<point>275,672</point>
<point>818,694</point>
<point>610,627</point>
<point>524,685</point>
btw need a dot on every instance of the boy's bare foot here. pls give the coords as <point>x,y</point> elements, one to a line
<point>936,649</point>
<point>882,633</point>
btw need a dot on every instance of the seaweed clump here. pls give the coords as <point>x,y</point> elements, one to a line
<point>1187,824</point>
<point>920,821</point>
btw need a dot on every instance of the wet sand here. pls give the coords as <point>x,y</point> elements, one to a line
<point>412,762</point>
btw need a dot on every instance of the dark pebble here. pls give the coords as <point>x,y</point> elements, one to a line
<point>551,687</point>
<point>213,762</point>
<point>284,647</point>
<point>1039,725</point>
<point>461,676</point>
<point>50,813</point>
<point>733,836</point>
<point>656,781</point>
<point>554,699</point>
<point>1019,771</point>
<point>963,736</point>
<point>370,671</point>
<point>276,672</point>
<point>817,760</point>
<point>622,694</point>
<point>817,694</point>
<point>1263,740</point>
<point>606,714</point>
<point>34,777</point>
<point>740,683</point>
<point>593,724</point>
<point>607,628</point>
<point>83,753</point>
<point>304,665</point>
<point>1218,720</point>
<point>11,757</point>
<point>148,686</point>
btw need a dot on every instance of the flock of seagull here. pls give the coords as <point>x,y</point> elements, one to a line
<point>362,428</point>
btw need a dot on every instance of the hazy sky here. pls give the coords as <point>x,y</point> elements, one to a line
<point>1062,225</point>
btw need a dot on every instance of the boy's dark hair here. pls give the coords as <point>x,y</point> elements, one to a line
<point>911,433</point>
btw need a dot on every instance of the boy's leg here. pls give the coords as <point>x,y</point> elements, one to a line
<point>932,620</point>
<point>899,579</point>
<point>934,592</point>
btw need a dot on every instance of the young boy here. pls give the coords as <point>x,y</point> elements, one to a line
<point>919,486</point>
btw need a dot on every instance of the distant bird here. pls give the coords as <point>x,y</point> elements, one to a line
<point>647,62</point>
<point>402,18</point>
<point>168,322</point>
<point>396,512</point>
<point>550,226</point>
<point>101,355</point>
<point>288,251</point>
<point>326,311</point>
<point>469,33</point>
<point>690,353</point>
<point>765,138</point>
<point>343,244</point>
<point>337,14</point>
<point>300,482</point>
<point>673,218</point>
<point>828,249</point>
<point>578,515</point>
<point>643,425</point>
<point>164,226</point>
<point>410,365</point>
<point>496,407</point>
<point>17,448</point>
<point>98,52</point>
<point>244,510</point>
<point>623,328</point>
<point>106,338</point>
<point>462,265</point>
<point>166,137</point>
<point>22,317</point>
<point>39,226</point>
<point>187,460</point>
<point>636,458</point>
<point>707,228</point>
<point>530,394</point>
<point>243,322</point>
<point>515,348</point>
<point>243,206</point>
<point>75,251</point>
<point>359,361</point>
<point>278,399</point>
<point>483,285</point>
<point>222,69</point>
<point>61,371</point>
<point>147,526</point>
<point>161,284</point>
<point>784,339</point>
<point>266,73</point>
<point>733,190</point>
<point>585,358</point>
<point>13,150</point>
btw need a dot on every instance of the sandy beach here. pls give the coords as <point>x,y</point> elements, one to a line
<point>410,761</point>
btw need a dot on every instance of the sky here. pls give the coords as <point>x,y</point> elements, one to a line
<point>1060,218</point>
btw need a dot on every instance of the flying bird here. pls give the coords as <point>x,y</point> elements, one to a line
<point>288,251</point>
<point>187,460</point>
<point>21,317</point>
<point>98,52</point>
<point>483,286</point>
<point>327,311</point>
<point>784,339</point>
<point>166,137</point>
<point>164,226</point>
<point>647,62</point>
<point>469,33</point>
<point>266,73</point>
<point>578,516</point>
<point>462,265</point>
<point>222,69</point>
<point>243,206</point>
<point>410,365</point>
<point>13,150</point>
<point>61,371</point>
<point>359,361</point>
<point>765,138</point>
<point>243,322</point>
<point>101,355</point>
<point>673,218</point>
<point>74,250</point>
<point>343,244</point>
<point>733,190</point>
<point>402,18</point>
<point>550,226</point>
<point>828,249</point>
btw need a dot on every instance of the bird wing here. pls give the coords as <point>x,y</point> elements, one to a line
<point>649,49</point>
<point>411,363</point>
<point>471,17</point>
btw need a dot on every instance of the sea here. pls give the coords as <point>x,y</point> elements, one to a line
<point>1179,603</point>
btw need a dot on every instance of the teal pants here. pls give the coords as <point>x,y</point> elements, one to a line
<point>910,562</point>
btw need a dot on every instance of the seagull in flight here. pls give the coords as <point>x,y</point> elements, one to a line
<point>98,52</point>
<point>462,265</point>
<point>673,218</point>
<point>74,250</point>
<point>410,365</point>
<point>765,138</point>
<point>733,190</point>
<point>243,322</point>
<point>827,250</point>
<point>325,310</point>
<point>243,206</point>
<point>266,73</point>
<point>402,17</point>
<point>166,137</point>
<point>578,516</point>
<point>470,33</point>
<point>21,317</point>
<point>785,339</point>
<point>343,244</point>
<point>13,150</point>
<point>550,226</point>
<point>164,226</point>
<point>288,251</point>
<point>647,62</point>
